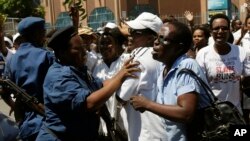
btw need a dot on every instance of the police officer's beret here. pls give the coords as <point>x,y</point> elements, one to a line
<point>29,24</point>
<point>61,37</point>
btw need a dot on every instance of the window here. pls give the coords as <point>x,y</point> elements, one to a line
<point>99,16</point>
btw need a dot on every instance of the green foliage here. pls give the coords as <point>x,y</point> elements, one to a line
<point>39,11</point>
<point>21,8</point>
<point>2,20</point>
<point>79,5</point>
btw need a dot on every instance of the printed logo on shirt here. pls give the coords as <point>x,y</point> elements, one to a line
<point>225,74</point>
<point>224,70</point>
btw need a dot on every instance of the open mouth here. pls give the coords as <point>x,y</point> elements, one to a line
<point>154,52</point>
<point>220,38</point>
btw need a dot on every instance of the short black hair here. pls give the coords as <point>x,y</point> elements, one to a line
<point>170,18</point>
<point>182,35</point>
<point>203,28</point>
<point>233,23</point>
<point>116,33</point>
<point>219,16</point>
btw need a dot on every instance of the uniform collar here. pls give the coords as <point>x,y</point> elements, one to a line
<point>176,64</point>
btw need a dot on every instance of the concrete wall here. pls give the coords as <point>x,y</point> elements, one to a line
<point>52,9</point>
<point>171,7</point>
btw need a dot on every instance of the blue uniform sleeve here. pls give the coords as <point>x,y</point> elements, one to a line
<point>66,91</point>
<point>186,83</point>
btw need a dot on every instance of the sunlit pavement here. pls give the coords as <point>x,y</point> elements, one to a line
<point>4,108</point>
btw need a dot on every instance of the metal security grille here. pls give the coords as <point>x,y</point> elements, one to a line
<point>99,16</point>
<point>180,17</point>
<point>138,9</point>
<point>10,25</point>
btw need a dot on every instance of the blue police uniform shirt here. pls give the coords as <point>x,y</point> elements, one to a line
<point>174,85</point>
<point>65,93</point>
<point>6,72</point>
<point>2,65</point>
<point>28,67</point>
<point>9,129</point>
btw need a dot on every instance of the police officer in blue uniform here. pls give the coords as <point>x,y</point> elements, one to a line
<point>72,97</point>
<point>27,68</point>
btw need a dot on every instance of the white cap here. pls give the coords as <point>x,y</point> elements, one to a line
<point>110,25</point>
<point>15,36</point>
<point>146,20</point>
<point>100,30</point>
<point>9,41</point>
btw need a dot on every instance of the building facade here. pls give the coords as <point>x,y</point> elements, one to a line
<point>102,11</point>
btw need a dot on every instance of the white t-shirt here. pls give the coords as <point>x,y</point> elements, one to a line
<point>144,126</point>
<point>103,72</point>
<point>245,43</point>
<point>210,40</point>
<point>91,61</point>
<point>246,99</point>
<point>237,34</point>
<point>224,71</point>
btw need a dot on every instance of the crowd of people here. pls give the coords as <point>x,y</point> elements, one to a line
<point>131,69</point>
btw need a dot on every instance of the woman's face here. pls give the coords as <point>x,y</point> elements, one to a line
<point>199,39</point>
<point>238,25</point>
<point>77,52</point>
<point>164,46</point>
<point>135,40</point>
<point>87,40</point>
<point>248,24</point>
<point>108,48</point>
<point>140,38</point>
<point>220,30</point>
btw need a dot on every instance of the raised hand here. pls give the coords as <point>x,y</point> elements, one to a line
<point>124,28</point>
<point>189,16</point>
<point>129,68</point>
<point>74,13</point>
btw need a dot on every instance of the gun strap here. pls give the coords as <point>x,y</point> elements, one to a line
<point>104,112</point>
<point>117,115</point>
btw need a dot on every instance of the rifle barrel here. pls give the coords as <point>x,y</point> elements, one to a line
<point>30,101</point>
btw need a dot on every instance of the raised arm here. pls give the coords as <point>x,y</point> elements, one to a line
<point>99,97</point>
<point>190,18</point>
<point>74,13</point>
